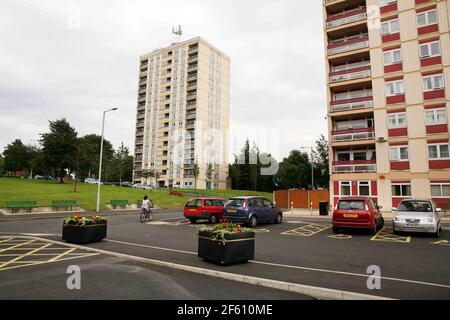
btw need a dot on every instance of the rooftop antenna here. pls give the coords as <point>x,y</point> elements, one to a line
<point>178,32</point>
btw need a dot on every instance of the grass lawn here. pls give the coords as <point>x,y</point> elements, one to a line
<point>45,191</point>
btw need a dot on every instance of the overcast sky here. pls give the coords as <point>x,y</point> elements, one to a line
<point>73,59</point>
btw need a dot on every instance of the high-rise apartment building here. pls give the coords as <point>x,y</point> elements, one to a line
<point>388,71</point>
<point>183,116</point>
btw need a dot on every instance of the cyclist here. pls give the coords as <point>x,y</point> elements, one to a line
<point>146,205</point>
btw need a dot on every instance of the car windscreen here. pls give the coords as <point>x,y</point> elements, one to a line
<point>352,205</point>
<point>236,203</point>
<point>415,206</point>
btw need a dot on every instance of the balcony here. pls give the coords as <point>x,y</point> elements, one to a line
<point>192,78</point>
<point>347,46</point>
<point>352,104</point>
<point>191,115</point>
<point>142,99</point>
<point>191,87</point>
<point>367,166</point>
<point>353,135</point>
<point>192,69</point>
<point>350,74</point>
<point>346,17</point>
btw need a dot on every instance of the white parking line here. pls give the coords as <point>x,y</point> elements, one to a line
<point>296,267</point>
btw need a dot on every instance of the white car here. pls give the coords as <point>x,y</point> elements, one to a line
<point>91,181</point>
<point>416,215</point>
<point>138,186</point>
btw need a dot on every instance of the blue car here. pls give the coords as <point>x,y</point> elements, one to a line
<point>252,211</point>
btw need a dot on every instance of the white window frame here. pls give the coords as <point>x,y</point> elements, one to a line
<point>391,53</point>
<point>435,115</point>
<point>430,54</point>
<point>369,184</point>
<point>347,183</point>
<point>399,154</point>
<point>440,185</point>
<point>427,18</point>
<point>390,23</point>
<point>438,146</point>
<point>396,116</point>
<point>395,87</point>
<point>433,81</point>
<point>401,190</point>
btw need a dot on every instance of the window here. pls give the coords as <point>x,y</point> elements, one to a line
<point>392,57</point>
<point>401,190</point>
<point>398,154</point>
<point>436,116</point>
<point>364,188</point>
<point>383,3</point>
<point>434,82</point>
<point>427,18</point>
<point>345,188</point>
<point>395,88</point>
<point>431,49</point>
<point>390,27</point>
<point>351,205</point>
<point>440,190</point>
<point>396,121</point>
<point>438,151</point>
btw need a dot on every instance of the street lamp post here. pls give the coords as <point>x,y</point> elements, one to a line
<point>99,180</point>
<point>312,175</point>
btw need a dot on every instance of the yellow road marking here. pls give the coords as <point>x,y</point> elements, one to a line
<point>341,236</point>
<point>17,245</point>
<point>63,254</point>
<point>441,243</point>
<point>307,230</point>
<point>386,235</point>
<point>25,255</point>
<point>44,262</point>
<point>6,240</point>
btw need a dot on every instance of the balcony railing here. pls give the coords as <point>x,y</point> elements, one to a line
<point>353,135</point>
<point>353,104</point>
<point>352,74</point>
<point>348,46</point>
<point>191,115</point>
<point>354,166</point>
<point>348,17</point>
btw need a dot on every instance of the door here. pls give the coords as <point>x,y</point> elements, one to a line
<point>261,209</point>
<point>271,214</point>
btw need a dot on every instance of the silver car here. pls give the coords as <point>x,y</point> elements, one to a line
<point>417,215</point>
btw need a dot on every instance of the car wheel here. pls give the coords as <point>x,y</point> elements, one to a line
<point>279,218</point>
<point>374,229</point>
<point>213,219</point>
<point>253,222</point>
<point>336,230</point>
<point>382,223</point>
<point>193,221</point>
<point>437,234</point>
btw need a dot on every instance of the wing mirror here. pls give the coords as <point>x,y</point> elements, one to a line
<point>438,210</point>
<point>380,207</point>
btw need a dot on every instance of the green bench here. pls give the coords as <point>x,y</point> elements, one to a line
<point>21,204</point>
<point>64,204</point>
<point>120,203</point>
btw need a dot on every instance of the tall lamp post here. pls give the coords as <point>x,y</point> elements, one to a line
<point>101,159</point>
<point>312,175</point>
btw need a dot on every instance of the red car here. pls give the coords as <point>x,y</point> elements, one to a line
<point>357,212</point>
<point>204,208</point>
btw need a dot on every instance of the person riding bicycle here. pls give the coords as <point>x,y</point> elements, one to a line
<point>146,204</point>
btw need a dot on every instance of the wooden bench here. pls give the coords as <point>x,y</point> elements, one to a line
<point>21,204</point>
<point>64,204</point>
<point>121,203</point>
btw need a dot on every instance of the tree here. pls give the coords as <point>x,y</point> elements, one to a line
<point>17,157</point>
<point>2,164</point>
<point>294,172</point>
<point>121,165</point>
<point>60,147</point>
<point>89,155</point>
<point>209,173</point>
<point>196,174</point>
<point>149,173</point>
<point>321,163</point>
<point>157,175</point>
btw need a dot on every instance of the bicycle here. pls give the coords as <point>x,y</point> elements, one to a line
<point>146,216</point>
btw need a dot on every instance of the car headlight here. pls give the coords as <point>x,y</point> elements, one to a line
<point>431,218</point>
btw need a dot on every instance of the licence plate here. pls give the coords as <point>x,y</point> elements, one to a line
<point>193,210</point>
<point>350,215</point>
<point>232,211</point>
<point>413,225</point>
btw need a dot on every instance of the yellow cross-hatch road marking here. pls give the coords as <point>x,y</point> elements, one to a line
<point>442,243</point>
<point>307,230</point>
<point>18,255</point>
<point>387,235</point>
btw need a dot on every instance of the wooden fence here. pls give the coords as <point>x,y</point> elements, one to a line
<point>300,199</point>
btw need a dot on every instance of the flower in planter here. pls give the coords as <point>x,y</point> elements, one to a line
<point>80,220</point>
<point>219,231</point>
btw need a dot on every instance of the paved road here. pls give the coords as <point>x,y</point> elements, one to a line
<point>302,250</point>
